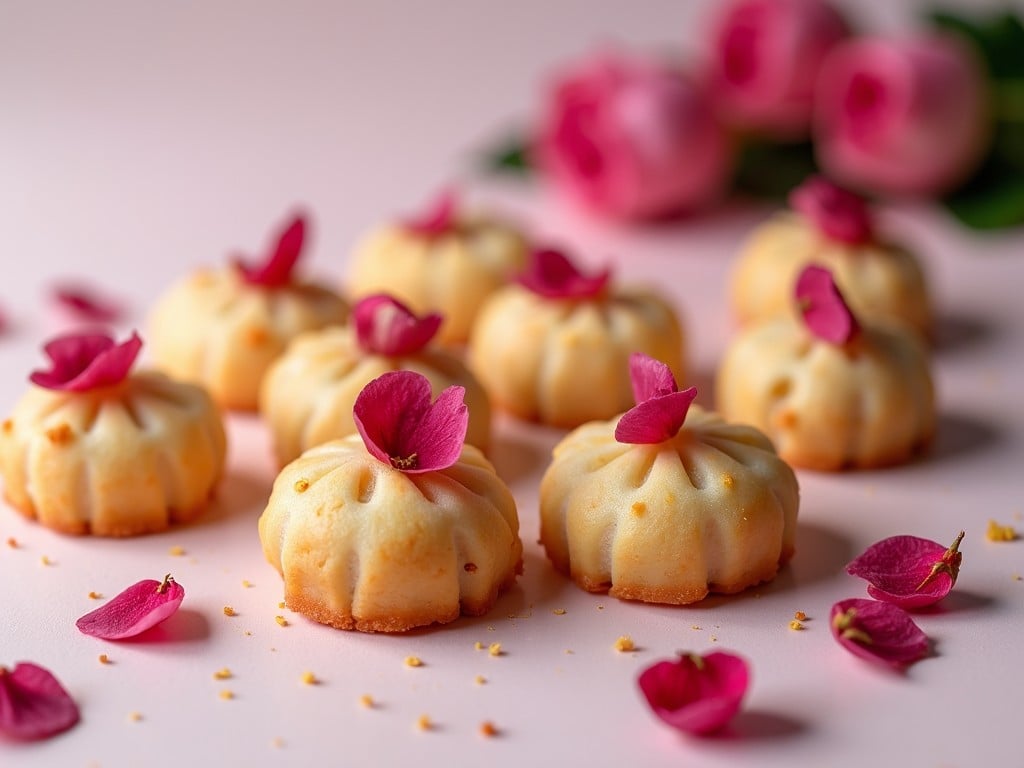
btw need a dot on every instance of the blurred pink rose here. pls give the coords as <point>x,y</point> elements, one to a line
<point>902,116</point>
<point>766,59</point>
<point>632,138</point>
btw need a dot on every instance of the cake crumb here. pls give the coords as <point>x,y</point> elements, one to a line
<point>176,551</point>
<point>487,729</point>
<point>95,596</point>
<point>569,651</point>
<point>413,661</point>
<point>12,542</point>
<point>424,723</point>
<point>559,611</point>
<point>135,717</point>
<point>1018,577</point>
<point>796,625</point>
<point>227,694</point>
<point>696,627</point>
<point>625,644</point>
<point>600,607</point>
<point>728,481</point>
<point>104,659</point>
<point>309,678</point>
<point>494,649</point>
<point>247,632</point>
<point>222,674</point>
<point>282,604</point>
<point>998,532</point>
<point>638,508</point>
<point>478,646</point>
<point>61,434</point>
<point>246,583</point>
<point>800,616</point>
<point>366,701</point>
<point>301,485</point>
<point>480,680</point>
<point>490,628</point>
<point>229,611</point>
<point>45,560</point>
<point>713,638</point>
<point>281,620</point>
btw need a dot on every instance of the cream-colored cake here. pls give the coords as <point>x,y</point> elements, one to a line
<point>452,273</point>
<point>215,329</point>
<point>712,509</point>
<point>881,281</point>
<point>120,460</point>
<point>866,403</point>
<point>308,393</point>
<point>362,545</point>
<point>565,361</point>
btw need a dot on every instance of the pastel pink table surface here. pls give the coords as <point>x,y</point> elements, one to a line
<point>139,142</point>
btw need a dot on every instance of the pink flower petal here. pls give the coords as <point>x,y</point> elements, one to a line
<point>837,213</point>
<point>660,410</point>
<point>550,274</point>
<point>33,704</point>
<point>80,362</point>
<point>385,326</point>
<point>85,305</point>
<point>909,571</point>
<point>696,694</point>
<point>823,308</point>
<point>877,631</point>
<point>437,220</point>
<point>138,608</point>
<point>276,270</point>
<point>401,427</point>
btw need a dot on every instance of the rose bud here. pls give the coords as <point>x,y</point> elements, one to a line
<point>632,138</point>
<point>905,116</point>
<point>766,57</point>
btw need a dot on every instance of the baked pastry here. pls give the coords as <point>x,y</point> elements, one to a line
<point>668,502</point>
<point>222,328</point>
<point>440,262</point>
<point>399,526</point>
<point>555,347</point>
<point>93,449</point>
<point>829,392</point>
<point>832,228</point>
<point>308,393</point>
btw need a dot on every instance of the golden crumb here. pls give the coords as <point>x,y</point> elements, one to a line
<point>227,694</point>
<point>559,611</point>
<point>176,551</point>
<point>135,716</point>
<point>794,624</point>
<point>713,638</point>
<point>12,542</point>
<point>638,508</point>
<point>104,659</point>
<point>494,649</point>
<point>1018,577</point>
<point>366,701</point>
<point>282,604</point>
<point>45,560</point>
<point>570,651</point>
<point>301,485</point>
<point>281,620</point>
<point>229,611</point>
<point>997,532</point>
<point>424,723</point>
<point>625,644</point>
<point>600,607</point>
<point>61,434</point>
<point>413,661</point>
<point>247,633</point>
<point>478,646</point>
<point>309,678</point>
<point>222,674</point>
<point>95,596</point>
<point>487,729</point>
<point>800,616</point>
<point>728,481</point>
<point>696,627</point>
<point>480,680</point>
<point>246,583</point>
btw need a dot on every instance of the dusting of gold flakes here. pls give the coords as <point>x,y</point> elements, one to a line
<point>478,646</point>
<point>176,551</point>
<point>494,649</point>
<point>135,716</point>
<point>997,532</point>
<point>309,678</point>
<point>796,625</point>
<point>229,611</point>
<point>800,616</point>
<point>728,481</point>
<point>45,560</point>
<point>366,701</point>
<point>12,542</point>
<point>559,611</point>
<point>413,661</point>
<point>696,627</point>
<point>61,434</point>
<point>487,729</point>
<point>480,680</point>
<point>301,485</point>
<point>227,694</point>
<point>281,620</point>
<point>222,674</point>
<point>104,659</point>
<point>95,596</point>
<point>625,644</point>
<point>638,508</point>
<point>282,604</point>
<point>424,723</point>
<point>246,583</point>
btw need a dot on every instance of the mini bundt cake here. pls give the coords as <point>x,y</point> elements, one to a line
<point>668,502</point>
<point>440,262</point>
<point>222,328</point>
<point>92,449</point>
<point>308,393</point>
<point>829,392</point>
<point>555,346</point>
<point>399,526</point>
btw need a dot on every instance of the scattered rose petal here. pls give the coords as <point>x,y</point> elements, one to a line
<point>696,694</point>
<point>138,608</point>
<point>84,304</point>
<point>402,428</point>
<point>822,305</point>
<point>33,704</point>
<point>80,362</point>
<point>385,326</point>
<point>877,631</point>
<point>276,270</point>
<point>909,571</point>
<point>660,408</point>
<point>439,219</point>
<point>550,274</point>
<point>837,213</point>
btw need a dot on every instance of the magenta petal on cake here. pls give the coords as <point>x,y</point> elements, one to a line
<point>33,703</point>
<point>696,694</point>
<point>80,362</point>
<point>909,571</point>
<point>660,409</point>
<point>824,311</point>
<point>650,377</point>
<point>837,213</point>
<point>550,273</point>
<point>437,220</point>
<point>402,428</point>
<point>140,607</point>
<point>85,305</point>
<point>385,326</point>
<point>276,270</point>
<point>877,631</point>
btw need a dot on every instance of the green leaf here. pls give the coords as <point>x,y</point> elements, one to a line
<point>999,39</point>
<point>510,155</point>
<point>770,170</point>
<point>994,199</point>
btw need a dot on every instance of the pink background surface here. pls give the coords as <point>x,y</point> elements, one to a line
<point>137,143</point>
